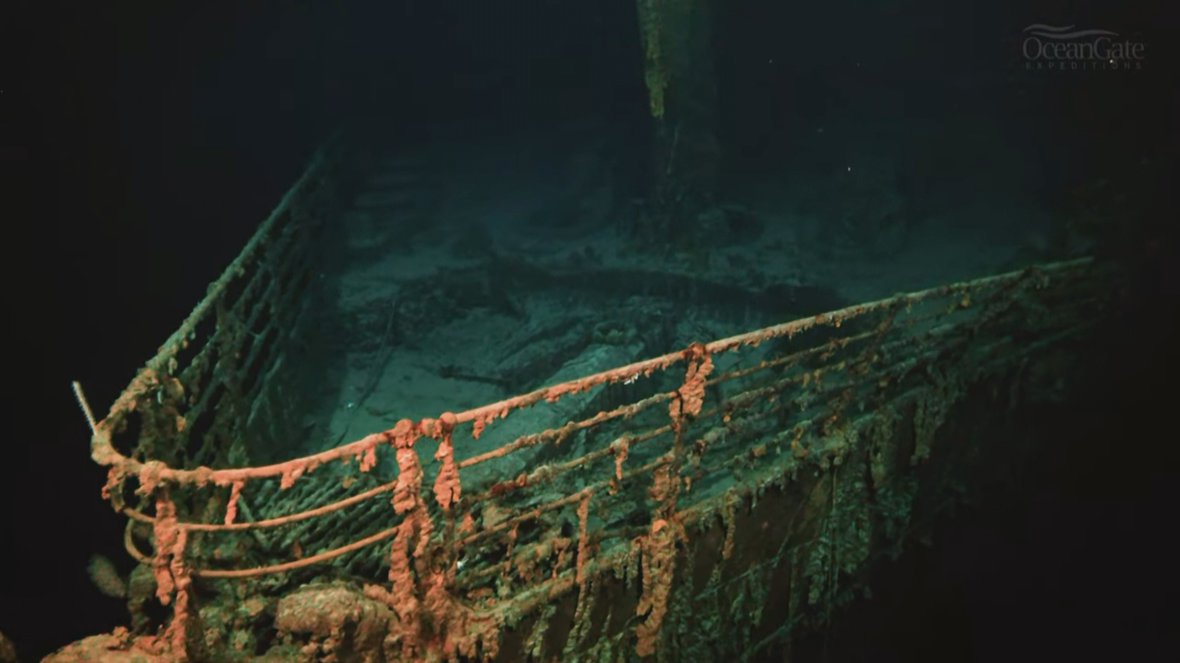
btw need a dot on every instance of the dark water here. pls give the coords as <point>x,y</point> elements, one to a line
<point>153,140</point>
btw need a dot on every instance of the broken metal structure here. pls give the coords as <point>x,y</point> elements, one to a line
<point>680,75</point>
<point>707,504</point>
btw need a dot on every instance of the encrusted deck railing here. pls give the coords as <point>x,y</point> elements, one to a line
<point>730,493</point>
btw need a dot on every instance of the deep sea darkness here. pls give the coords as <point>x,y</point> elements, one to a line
<point>149,142</point>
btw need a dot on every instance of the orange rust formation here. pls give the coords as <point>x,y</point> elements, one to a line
<point>468,563</point>
<point>446,487</point>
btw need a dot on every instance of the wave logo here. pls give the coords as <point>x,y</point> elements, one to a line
<point>1064,48</point>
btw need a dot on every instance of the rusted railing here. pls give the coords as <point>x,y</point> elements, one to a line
<point>620,523</point>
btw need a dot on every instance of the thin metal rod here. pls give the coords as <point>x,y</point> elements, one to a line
<point>85,407</point>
